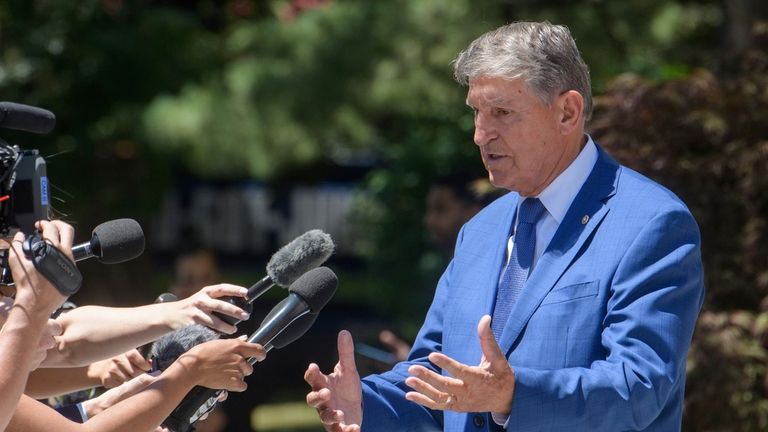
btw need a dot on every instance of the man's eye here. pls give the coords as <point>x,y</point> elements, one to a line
<point>502,112</point>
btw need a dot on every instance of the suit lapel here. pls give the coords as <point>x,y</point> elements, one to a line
<point>588,206</point>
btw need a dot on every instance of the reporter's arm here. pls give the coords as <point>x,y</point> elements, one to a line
<point>45,382</point>
<point>215,364</point>
<point>22,332</point>
<point>92,333</point>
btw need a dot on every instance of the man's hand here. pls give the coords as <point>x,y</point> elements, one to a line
<point>199,307</point>
<point>338,396</point>
<point>488,387</point>
<point>116,370</point>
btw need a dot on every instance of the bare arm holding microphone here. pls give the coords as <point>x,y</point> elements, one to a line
<point>22,345</point>
<point>92,333</point>
<point>219,364</point>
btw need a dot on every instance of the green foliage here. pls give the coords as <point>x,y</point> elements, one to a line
<point>705,138</point>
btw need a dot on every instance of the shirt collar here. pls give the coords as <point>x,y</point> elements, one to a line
<point>558,196</point>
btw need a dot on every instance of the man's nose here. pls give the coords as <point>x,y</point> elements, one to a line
<point>484,130</point>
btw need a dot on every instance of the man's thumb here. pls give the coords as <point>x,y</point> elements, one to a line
<point>346,351</point>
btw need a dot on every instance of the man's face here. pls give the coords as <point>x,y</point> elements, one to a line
<point>518,135</point>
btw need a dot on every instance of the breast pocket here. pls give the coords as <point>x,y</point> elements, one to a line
<point>572,292</point>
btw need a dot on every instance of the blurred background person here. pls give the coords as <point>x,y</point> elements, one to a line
<point>451,201</point>
<point>196,266</point>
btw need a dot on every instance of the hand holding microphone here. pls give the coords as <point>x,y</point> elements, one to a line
<point>286,322</point>
<point>302,254</point>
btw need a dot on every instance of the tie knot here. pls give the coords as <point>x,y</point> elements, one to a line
<point>531,210</point>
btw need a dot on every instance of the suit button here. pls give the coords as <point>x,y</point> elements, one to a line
<point>478,420</point>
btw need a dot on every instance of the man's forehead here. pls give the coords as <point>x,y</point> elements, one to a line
<point>495,91</point>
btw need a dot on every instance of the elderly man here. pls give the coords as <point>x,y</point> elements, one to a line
<point>570,303</point>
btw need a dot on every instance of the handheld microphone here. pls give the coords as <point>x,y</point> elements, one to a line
<point>307,296</point>
<point>162,298</point>
<point>26,118</point>
<point>112,242</point>
<point>302,254</point>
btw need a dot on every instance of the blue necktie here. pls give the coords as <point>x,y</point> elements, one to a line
<point>519,265</point>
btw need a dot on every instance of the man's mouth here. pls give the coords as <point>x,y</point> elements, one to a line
<point>495,156</point>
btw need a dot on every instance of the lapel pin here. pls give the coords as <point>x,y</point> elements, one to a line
<point>584,219</point>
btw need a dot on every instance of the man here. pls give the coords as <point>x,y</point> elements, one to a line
<point>591,272</point>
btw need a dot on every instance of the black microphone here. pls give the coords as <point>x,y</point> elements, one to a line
<point>112,242</point>
<point>162,298</point>
<point>307,296</point>
<point>26,118</point>
<point>302,254</point>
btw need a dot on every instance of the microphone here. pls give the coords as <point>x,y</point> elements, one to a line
<point>302,254</point>
<point>112,242</point>
<point>168,348</point>
<point>162,298</point>
<point>26,118</point>
<point>307,296</point>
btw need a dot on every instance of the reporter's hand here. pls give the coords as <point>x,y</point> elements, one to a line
<point>111,397</point>
<point>33,290</point>
<point>199,307</point>
<point>116,370</point>
<point>51,329</point>
<point>221,364</point>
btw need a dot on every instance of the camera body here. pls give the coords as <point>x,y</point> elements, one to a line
<point>25,198</point>
<point>24,195</point>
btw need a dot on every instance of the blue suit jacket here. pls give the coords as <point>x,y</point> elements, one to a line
<point>599,336</point>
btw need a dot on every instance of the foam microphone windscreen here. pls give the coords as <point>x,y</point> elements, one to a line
<point>169,347</point>
<point>119,240</point>
<point>316,287</point>
<point>304,253</point>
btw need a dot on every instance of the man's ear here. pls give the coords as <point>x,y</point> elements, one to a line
<point>570,106</point>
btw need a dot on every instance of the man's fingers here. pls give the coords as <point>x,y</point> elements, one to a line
<point>346,351</point>
<point>422,400</point>
<point>319,399</point>
<point>314,377</point>
<point>456,369</point>
<point>425,389</point>
<point>491,350</point>
<point>330,416</point>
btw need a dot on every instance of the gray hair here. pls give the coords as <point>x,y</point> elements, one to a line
<point>544,55</point>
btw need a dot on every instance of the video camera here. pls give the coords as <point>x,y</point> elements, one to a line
<point>24,198</point>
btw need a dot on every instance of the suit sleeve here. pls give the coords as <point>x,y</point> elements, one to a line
<point>384,405</point>
<point>655,297</point>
